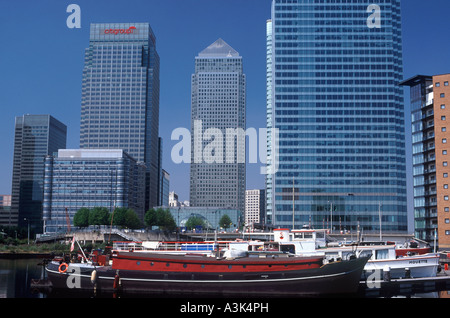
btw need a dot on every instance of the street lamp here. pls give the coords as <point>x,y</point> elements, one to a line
<point>25,219</point>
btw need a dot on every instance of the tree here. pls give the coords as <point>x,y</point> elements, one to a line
<point>165,219</point>
<point>99,216</point>
<point>160,217</point>
<point>132,220</point>
<point>225,221</point>
<point>118,217</point>
<point>195,221</point>
<point>150,218</point>
<point>81,218</point>
<point>125,218</point>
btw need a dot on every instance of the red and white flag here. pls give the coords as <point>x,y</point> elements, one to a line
<point>73,244</point>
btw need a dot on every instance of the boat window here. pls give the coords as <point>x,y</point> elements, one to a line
<point>381,254</point>
<point>365,253</point>
<point>167,264</point>
<point>229,266</point>
<point>138,263</point>
<point>345,255</point>
<point>184,265</point>
<point>290,248</point>
<point>151,264</point>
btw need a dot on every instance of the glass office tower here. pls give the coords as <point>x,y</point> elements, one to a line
<point>89,178</point>
<point>120,95</point>
<point>217,176</point>
<point>36,136</point>
<point>333,94</point>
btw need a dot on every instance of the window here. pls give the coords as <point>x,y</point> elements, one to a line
<point>446,209</point>
<point>445,83</point>
<point>442,117</point>
<point>444,129</point>
<point>444,140</point>
<point>447,221</point>
<point>446,197</point>
<point>443,106</point>
<point>445,164</point>
<point>438,84</point>
<point>445,186</point>
<point>444,152</point>
<point>442,95</point>
<point>445,175</point>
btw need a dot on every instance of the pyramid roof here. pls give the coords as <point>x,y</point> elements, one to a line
<point>219,49</point>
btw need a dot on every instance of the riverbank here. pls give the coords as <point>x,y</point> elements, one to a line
<point>7,255</point>
<point>32,250</point>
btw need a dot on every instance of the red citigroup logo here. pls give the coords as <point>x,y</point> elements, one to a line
<point>120,31</point>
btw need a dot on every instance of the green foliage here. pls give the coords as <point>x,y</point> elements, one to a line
<point>195,221</point>
<point>81,218</point>
<point>225,221</point>
<point>99,216</point>
<point>150,218</point>
<point>122,217</point>
<point>126,218</point>
<point>160,217</point>
<point>131,220</point>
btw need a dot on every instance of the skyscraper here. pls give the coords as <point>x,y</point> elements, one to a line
<point>120,95</point>
<point>333,94</point>
<point>255,207</point>
<point>218,120</point>
<point>36,136</point>
<point>430,104</point>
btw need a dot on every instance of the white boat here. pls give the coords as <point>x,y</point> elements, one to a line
<point>384,260</point>
<point>383,257</point>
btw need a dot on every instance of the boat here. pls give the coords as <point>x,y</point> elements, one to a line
<point>169,247</point>
<point>383,255</point>
<point>383,259</point>
<point>270,274</point>
<point>412,248</point>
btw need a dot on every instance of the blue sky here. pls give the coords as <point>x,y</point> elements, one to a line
<point>41,60</point>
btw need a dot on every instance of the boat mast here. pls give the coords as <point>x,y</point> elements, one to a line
<point>293,204</point>
<point>379,216</point>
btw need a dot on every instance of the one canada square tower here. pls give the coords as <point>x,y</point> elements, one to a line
<point>333,69</point>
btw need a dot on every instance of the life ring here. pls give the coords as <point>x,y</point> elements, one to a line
<point>61,270</point>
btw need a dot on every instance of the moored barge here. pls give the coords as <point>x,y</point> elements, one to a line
<point>263,275</point>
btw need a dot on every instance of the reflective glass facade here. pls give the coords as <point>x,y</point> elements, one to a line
<point>36,136</point>
<point>120,95</point>
<point>89,178</point>
<point>333,94</point>
<point>210,215</point>
<point>217,175</point>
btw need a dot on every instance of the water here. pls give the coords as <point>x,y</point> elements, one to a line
<point>16,276</point>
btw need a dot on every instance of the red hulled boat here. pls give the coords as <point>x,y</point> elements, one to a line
<point>257,274</point>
